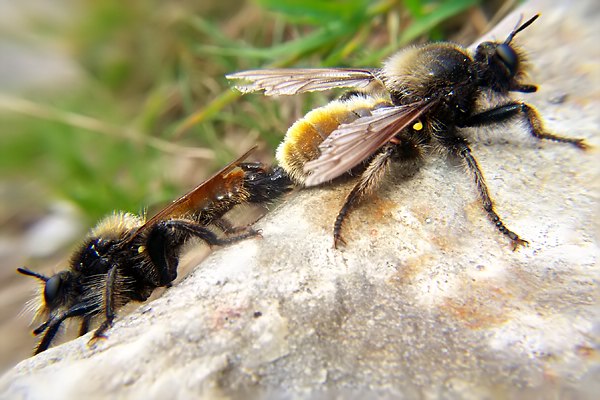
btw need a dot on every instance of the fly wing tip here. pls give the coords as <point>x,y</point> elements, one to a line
<point>243,89</point>
<point>310,181</point>
<point>248,152</point>
<point>315,180</point>
<point>237,75</point>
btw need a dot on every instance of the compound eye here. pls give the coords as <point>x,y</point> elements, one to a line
<point>52,289</point>
<point>508,57</point>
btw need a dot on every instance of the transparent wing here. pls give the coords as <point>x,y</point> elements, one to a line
<point>291,81</point>
<point>352,143</point>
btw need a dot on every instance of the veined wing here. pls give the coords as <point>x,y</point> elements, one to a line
<point>222,182</point>
<point>352,143</point>
<point>289,81</point>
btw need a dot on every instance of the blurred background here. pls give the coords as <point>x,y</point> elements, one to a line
<point>111,105</point>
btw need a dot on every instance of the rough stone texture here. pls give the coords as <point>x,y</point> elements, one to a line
<point>426,300</point>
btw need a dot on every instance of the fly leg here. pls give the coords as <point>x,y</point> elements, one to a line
<point>166,238</point>
<point>53,324</point>
<point>228,227</point>
<point>85,325</point>
<point>368,183</point>
<point>188,229</point>
<point>462,150</point>
<point>535,126</point>
<point>109,305</point>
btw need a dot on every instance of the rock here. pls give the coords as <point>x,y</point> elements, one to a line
<point>426,300</point>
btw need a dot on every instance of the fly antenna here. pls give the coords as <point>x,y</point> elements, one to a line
<point>520,28</point>
<point>29,272</point>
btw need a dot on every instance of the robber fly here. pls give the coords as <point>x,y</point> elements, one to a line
<point>124,258</point>
<point>420,99</point>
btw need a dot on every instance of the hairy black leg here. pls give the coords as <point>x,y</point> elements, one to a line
<point>53,324</point>
<point>205,234</point>
<point>42,327</point>
<point>463,151</point>
<point>166,238</point>
<point>534,121</point>
<point>109,304</point>
<point>227,227</point>
<point>369,181</point>
<point>523,87</point>
<point>85,325</point>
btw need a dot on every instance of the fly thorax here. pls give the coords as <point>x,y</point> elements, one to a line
<point>430,71</point>
<point>94,256</point>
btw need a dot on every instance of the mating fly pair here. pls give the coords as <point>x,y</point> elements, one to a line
<point>124,258</point>
<point>417,103</point>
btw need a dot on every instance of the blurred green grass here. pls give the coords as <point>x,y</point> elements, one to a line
<point>153,88</point>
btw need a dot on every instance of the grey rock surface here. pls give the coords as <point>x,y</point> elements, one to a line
<point>427,300</point>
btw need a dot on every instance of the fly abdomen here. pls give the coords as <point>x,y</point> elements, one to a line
<point>302,140</point>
